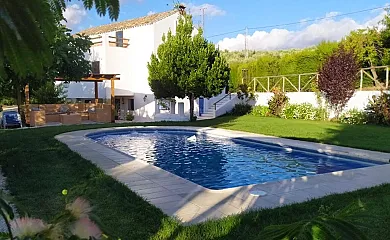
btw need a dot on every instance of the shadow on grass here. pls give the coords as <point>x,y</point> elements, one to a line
<point>368,137</point>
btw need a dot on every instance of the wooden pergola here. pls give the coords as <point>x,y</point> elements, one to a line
<point>96,78</point>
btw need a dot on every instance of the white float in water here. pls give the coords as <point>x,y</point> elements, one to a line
<point>289,150</point>
<point>258,193</point>
<point>192,139</point>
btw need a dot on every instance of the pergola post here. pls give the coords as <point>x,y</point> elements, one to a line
<point>27,105</point>
<point>112,100</point>
<point>96,93</point>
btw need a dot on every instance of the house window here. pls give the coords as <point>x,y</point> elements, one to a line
<point>96,67</point>
<point>130,105</point>
<point>119,39</point>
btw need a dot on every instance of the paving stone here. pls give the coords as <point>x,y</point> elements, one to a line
<point>166,199</point>
<point>164,193</point>
<point>151,190</point>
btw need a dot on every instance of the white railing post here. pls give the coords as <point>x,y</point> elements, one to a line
<point>268,84</point>
<point>299,82</point>
<point>387,77</point>
<point>254,84</point>
<point>283,84</point>
<point>361,79</point>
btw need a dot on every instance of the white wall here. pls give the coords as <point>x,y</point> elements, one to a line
<point>228,106</point>
<point>87,89</point>
<point>162,27</point>
<point>186,102</point>
<point>359,100</point>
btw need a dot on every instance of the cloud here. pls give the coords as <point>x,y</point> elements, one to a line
<point>151,13</point>
<point>74,14</point>
<point>210,10</point>
<point>310,35</point>
<point>331,14</point>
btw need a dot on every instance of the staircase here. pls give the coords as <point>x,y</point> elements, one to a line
<point>212,111</point>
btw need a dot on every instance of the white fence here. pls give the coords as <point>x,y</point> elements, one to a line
<point>359,100</point>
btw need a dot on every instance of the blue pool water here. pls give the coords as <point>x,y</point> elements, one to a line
<point>219,163</point>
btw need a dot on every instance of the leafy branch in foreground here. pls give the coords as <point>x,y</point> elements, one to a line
<point>343,224</point>
<point>75,222</point>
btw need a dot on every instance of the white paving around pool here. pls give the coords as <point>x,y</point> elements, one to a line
<point>192,203</point>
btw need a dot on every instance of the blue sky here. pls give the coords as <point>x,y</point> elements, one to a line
<point>226,16</point>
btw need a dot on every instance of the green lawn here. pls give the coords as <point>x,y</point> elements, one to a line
<point>38,167</point>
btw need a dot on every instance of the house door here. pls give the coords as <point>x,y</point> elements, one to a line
<point>201,106</point>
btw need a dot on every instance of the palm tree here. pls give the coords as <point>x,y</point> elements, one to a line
<point>28,27</point>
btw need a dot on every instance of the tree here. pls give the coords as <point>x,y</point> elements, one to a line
<point>68,54</point>
<point>28,28</point>
<point>49,93</point>
<point>368,48</point>
<point>187,66</point>
<point>337,78</point>
<point>68,61</point>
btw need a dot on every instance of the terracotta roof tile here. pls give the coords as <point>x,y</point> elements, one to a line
<point>131,23</point>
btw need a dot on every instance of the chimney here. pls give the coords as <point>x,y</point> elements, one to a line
<point>182,9</point>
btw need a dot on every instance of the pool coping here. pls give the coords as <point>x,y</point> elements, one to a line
<point>192,203</point>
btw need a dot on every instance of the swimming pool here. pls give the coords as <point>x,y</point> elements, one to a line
<point>221,162</point>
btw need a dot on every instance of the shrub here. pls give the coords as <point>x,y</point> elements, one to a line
<point>49,93</point>
<point>7,101</point>
<point>337,79</point>
<point>260,111</point>
<point>304,111</point>
<point>378,110</point>
<point>244,92</point>
<point>277,102</point>
<point>354,116</point>
<point>241,109</point>
<point>322,114</point>
<point>130,116</point>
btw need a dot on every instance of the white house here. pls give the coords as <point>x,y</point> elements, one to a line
<point>125,48</point>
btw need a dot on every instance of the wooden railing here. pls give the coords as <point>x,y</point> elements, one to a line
<point>303,82</point>
<point>98,41</point>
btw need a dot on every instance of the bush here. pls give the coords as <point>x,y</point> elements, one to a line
<point>130,116</point>
<point>322,114</point>
<point>244,92</point>
<point>260,111</point>
<point>49,93</point>
<point>7,101</point>
<point>304,111</point>
<point>241,109</point>
<point>353,117</point>
<point>277,102</point>
<point>378,110</point>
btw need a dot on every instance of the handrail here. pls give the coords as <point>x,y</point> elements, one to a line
<point>215,104</point>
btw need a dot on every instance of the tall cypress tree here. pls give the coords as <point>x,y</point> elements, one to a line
<point>187,66</point>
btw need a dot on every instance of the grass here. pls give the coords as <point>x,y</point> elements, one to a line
<point>38,167</point>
